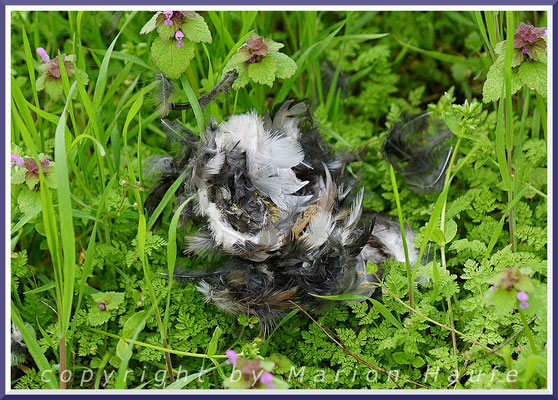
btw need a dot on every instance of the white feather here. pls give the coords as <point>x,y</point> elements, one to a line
<point>319,229</point>
<point>214,165</point>
<point>282,152</point>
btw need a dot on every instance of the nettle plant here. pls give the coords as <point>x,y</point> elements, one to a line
<point>178,31</point>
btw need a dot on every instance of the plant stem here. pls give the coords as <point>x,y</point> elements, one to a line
<point>150,346</point>
<point>402,228</point>
<point>528,331</point>
<point>62,361</point>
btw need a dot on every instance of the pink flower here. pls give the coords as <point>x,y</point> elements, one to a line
<point>522,296</point>
<point>179,36</point>
<point>102,307</point>
<point>524,305</point>
<point>266,378</point>
<point>16,160</point>
<point>233,357</point>
<point>168,15</point>
<point>44,56</point>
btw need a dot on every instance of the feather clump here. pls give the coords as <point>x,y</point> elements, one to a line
<point>276,201</point>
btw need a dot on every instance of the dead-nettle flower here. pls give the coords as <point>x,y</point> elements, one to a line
<point>33,169</point>
<point>29,172</point>
<point>523,297</point>
<point>16,160</point>
<point>233,357</point>
<point>53,66</point>
<point>179,36</point>
<point>529,40</point>
<point>175,18</point>
<point>44,56</point>
<point>168,15</point>
<point>256,48</point>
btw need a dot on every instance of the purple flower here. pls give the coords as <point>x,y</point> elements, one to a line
<point>102,307</point>
<point>493,288</point>
<point>266,378</point>
<point>529,40</point>
<point>44,56</point>
<point>33,169</point>
<point>53,66</point>
<point>179,36</point>
<point>255,44</point>
<point>522,296</point>
<point>524,305</point>
<point>233,357</point>
<point>271,386</point>
<point>168,15</point>
<point>16,160</point>
<point>527,34</point>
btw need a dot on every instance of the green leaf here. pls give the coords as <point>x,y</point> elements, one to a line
<point>54,87</point>
<point>135,323</point>
<point>492,89</point>
<point>166,32</point>
<point>171,60</point>
<point>111,300</point>
<point>386,313</point>
<point>418,362</point>
<point>263,72</point>
<point>286,66</point>
<point>196,29</point>
<point>533,75</point>
<point>438,237</point>
<point>371,268</point>
<point>401,357</point>
<point>242,79</point>
<point>503,300</point>
<point>150,25</point>
<point>28,200</point>
<point>450,230</point>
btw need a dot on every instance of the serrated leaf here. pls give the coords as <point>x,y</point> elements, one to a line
<point>166,32</point>
<point>98,317</point>
<point>54,88</point>
<point>533,75</point>
<point>111,300</point>
<point>492,89</point>
<point>28,199</point>
<point>504,301</point>
<point>40,83</point>
<point>263,72</point>
<point>286,66</point>
<point>196,29</point>
<point>171,60</point>
<point>242,79</point>
<point>18,177</point>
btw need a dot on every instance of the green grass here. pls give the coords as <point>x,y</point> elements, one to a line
<point>83,230</point>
